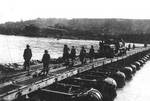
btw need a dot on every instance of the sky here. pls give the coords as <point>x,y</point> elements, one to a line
<point>17,10</point>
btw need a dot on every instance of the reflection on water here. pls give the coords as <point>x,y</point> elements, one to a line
<point>12,47</point>
<point>138,88</point>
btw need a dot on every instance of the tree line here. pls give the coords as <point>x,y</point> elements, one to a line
<point>95,29</point>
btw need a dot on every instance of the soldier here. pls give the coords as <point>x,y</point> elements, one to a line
<point>82,55</point>
<point>101,45</point>
<point>45,60</point>
<point>73,54</point>
<point>145,44</point>
<point>27,56</point>
<point>101,49</point>
<point>133,46</point>
<point>91,54</point>
<point>66,54</point>
<point>129,47</point>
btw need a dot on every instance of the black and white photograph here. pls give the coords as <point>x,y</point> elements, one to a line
<point>74,50</point>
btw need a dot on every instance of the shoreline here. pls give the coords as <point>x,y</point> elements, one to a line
<point>65,38</point>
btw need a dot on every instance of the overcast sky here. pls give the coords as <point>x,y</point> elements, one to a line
<point>16,10</point>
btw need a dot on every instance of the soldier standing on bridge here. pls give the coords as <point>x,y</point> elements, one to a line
<point>82,55</point>
<point>73,55</point>
<point>27,56</point>
<point>66,54</point>
<point>45,60</point>
<point>129,47</point>
<point>91,54</point>
<point>101,49</point>
<point>133,46</point>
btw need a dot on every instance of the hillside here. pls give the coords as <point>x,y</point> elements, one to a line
<point>130,30</point>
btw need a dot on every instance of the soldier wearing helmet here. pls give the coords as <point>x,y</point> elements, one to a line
<point>27,57</point>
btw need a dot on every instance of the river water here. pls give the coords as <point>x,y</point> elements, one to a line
<point>138,88</point>
<point>12,47</point>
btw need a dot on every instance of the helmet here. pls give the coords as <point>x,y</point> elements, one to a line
<point>27,46</point>
<point>46,51</point>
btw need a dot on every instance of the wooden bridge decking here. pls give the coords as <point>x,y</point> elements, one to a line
<point>22,84</point>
